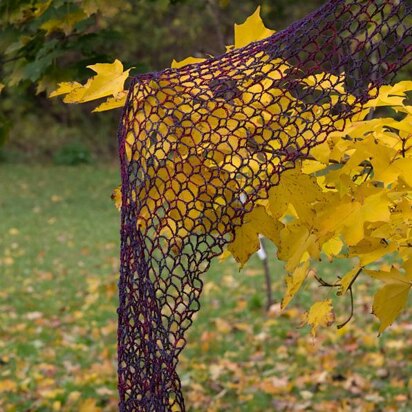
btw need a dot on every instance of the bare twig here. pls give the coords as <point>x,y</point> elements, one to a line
<point>349,288</point>
<point>341,325</point>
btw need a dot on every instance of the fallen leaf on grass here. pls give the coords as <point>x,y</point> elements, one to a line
<point>274,385</point>
<point>89,405</point>
<point>7,386</point>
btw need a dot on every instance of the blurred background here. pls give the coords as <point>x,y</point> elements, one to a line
<point>59,235</point>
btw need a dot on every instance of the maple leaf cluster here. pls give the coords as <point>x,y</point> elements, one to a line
<point>351,198</point>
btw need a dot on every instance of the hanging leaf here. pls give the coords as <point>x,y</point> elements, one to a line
<point>389,301</point>
<point>293,282</point>
<point>320,314</point>
<point>109,81</point>
<point>246,240</point>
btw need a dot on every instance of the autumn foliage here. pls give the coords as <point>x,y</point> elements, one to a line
<point>349,199</point>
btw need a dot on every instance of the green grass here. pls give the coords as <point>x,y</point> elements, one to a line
<point>59,248</point>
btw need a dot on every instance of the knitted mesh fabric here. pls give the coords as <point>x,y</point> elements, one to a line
<point>201,144</point>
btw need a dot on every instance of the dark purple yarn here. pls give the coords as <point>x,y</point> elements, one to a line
<point>271,90</point>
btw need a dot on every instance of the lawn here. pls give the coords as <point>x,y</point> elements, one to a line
<point>58,273</point>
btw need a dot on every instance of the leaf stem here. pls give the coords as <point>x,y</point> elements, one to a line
<point>341,325</point>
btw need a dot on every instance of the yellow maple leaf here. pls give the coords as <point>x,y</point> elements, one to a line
<point>392,297</point>
<point>65,88</point>
<point>246,241</point>
<point>391,276</point>
<point>293,282</point>
<point>391,95</point>
<point>297,189</point>
<point>320,314</point>
<point>369,250</point>
<point>321,152</point>
<point>389,302</point>
<point>347,215</point>
<point>251,30</point>
<point>333,246</point>
<point>296,243</point>
<point>399,168</point>
<point>108,81</point>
